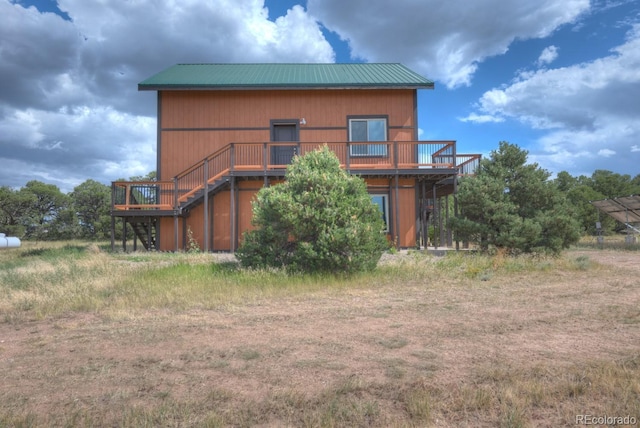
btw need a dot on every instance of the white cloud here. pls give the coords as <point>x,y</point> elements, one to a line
<point>69,105</point>
<point>482,118</point>
<point>635,148</point>
<point>587,112</point>
<point>443,40</point>
<point>71,146</point>
<point>548,55</point>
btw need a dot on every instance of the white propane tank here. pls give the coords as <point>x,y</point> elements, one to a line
<point>8,241</point>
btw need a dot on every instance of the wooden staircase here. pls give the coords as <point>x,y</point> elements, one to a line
<point>146,231</point>
<point>143,203</point>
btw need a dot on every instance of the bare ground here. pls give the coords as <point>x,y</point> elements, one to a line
<point>444,335</point>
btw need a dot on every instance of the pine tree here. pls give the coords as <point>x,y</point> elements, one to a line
<point>513,205</point>
<point>321,219</point>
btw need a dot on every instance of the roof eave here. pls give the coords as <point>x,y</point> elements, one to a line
<point>191,87</point>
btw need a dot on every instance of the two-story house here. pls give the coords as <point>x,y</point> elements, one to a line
<point>227,130</point>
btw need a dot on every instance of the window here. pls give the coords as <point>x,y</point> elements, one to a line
<point>382,201</point>
<point>368,129</point>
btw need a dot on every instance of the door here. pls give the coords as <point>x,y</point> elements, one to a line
<point>283,132</point>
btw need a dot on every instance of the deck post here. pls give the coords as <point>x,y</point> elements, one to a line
<point>397,212</point>
<point>232,157</point>
<point>206,206</point>
<point>175,215</point>
<point>264,159</point>
<point>447,227</point>
<point>441,223</point>
<point>434,211</point>
<point>124,234</point>
<point>113,233</point>
<point>232,217</point>
<point>423,214</point>
<point>395,156</point>
<point>135,239</point>
<point>455,191</point>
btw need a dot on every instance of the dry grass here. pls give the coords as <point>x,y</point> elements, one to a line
<point>90,338</point>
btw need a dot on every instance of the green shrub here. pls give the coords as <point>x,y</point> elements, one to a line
<point>512,206</point>
<point>321,219</point>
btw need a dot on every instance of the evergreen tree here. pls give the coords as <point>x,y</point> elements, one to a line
<point>320,219</point>
<point>512,205</point>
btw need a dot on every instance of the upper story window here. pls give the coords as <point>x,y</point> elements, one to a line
<point>368,129</point>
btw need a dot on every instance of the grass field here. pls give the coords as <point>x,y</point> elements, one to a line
<point>92,338</point>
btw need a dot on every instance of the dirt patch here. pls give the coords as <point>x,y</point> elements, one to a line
<point>443,334</point>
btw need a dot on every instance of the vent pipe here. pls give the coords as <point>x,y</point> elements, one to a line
<point>8,241</point>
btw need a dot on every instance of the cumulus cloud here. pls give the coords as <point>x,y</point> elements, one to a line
<point>445,41</point>
<point>69,107</point>
<point>586,112</point>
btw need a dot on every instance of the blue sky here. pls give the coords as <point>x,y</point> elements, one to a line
<point>560,78</point>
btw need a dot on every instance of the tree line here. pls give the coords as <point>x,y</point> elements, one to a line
<point>514,205</point>
<point>40,211</point>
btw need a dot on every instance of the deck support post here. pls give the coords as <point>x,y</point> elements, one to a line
<point>447,226</point>
<point>232,216</point>
<point>175,215</point>
<point>124,234</point>
<point>441,223</point>
<point>113,233</point>
<point>397,212</point>
<point>184,233</point>
<point>434,211</point>
<point>423,215</point>
<point>175,232</point>
<point>455,206</point>
<point>205,207</point>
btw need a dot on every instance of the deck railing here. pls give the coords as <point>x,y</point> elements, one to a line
<point>468,164</point>
<point>239,158</point>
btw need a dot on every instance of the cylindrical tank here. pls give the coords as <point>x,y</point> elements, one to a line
<point>8,241</point>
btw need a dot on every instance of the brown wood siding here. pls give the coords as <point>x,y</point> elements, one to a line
<point>182,149</point>
<point>407,215</point>
<point>195,124</point>
<point>166,234</point>
<point>406,210</point>
<point>221,221</point>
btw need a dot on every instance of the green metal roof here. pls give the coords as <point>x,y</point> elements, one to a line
<point>285,76</point>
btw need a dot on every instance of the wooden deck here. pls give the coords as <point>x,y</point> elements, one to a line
<point>435,159</point>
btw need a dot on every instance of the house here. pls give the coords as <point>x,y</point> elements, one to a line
<point>227,130</point>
